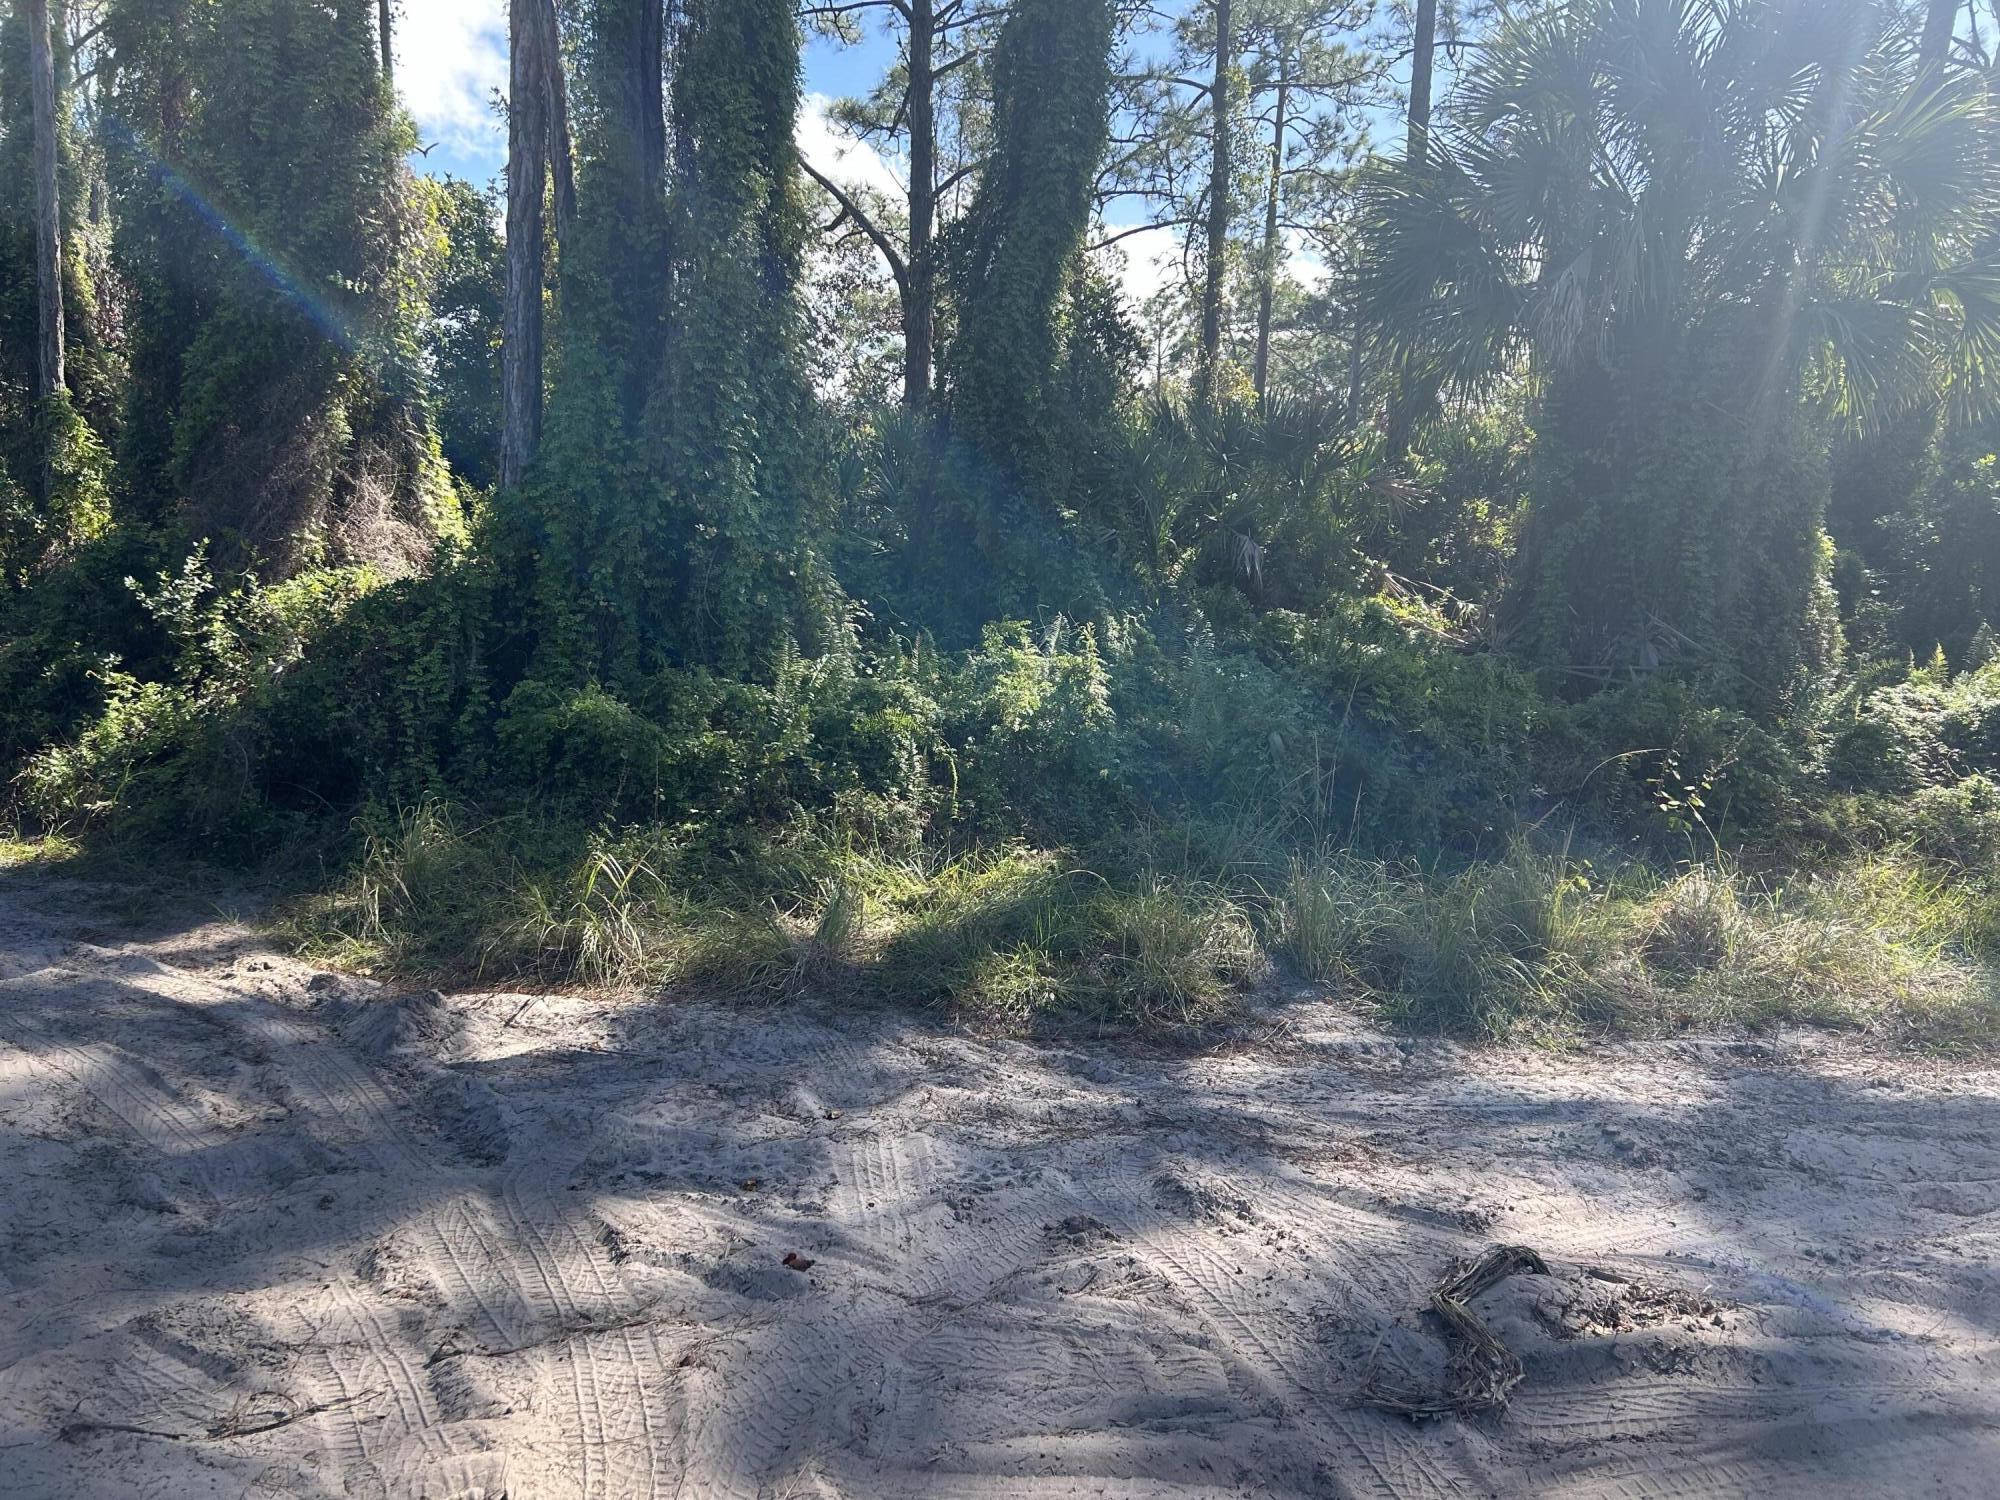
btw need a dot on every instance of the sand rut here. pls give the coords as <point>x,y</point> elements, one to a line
<point>257,1237</point>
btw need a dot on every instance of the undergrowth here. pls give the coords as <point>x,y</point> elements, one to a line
<point>1113,823</point>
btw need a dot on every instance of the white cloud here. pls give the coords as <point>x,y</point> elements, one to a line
<point>1303,262</point>
<point>835,151</point>
<point>1152,259</point>
<point>1146,262</point>
<point>450,57</point>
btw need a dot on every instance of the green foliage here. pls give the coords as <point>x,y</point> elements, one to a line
<point>1925,731</point>
<point>176,757</point>
<point>1418,740</point>
<point>1253,504</point>
<point>1655,757</point>
<point>1956,825</point>
<point>1942,571</point>
<point>1649,257</point>
<point>672,517</point>
<point>938,541</point>
<point>1453,527</point>
<point>273,242</point>
<point>63,503</point>
<point>465,276</point>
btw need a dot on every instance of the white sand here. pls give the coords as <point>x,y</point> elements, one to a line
<point>264,1233</point>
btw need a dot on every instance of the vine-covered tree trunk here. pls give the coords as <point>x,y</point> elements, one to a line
<point>521,338</point>
<point>641,97</point>
<point>1218,201</point>
<point>618,264</point>
<point>386,28</point>
<point>680,531</point>
<point>48,205</point>
<point>1051,85</point>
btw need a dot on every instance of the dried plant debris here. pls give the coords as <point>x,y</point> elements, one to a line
<point>1481,1372</point>
<point>1608,1304</point>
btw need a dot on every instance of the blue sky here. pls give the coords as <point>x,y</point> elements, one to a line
<point>452,57</point>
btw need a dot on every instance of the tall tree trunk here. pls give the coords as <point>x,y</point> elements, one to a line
<point>387,31</point>
<point>1356,334</point>
<point>1423,61</point>
<point>642,94</point>
<point>555,106</point>
<point>1268,294</point>
<point>527,154</point>
<point>1423,58</point>
<point>1940,22</point>
<point>920,305</point>
<point>1218,204</point>
<point>48,204</point>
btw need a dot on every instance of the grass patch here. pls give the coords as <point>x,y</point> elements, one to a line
<point>1018,936</point>
<point>20,851</point>
<point>1886,944</point>
<point>1536,944</point>
<point>1013,938</point>
<point>1540,945</point>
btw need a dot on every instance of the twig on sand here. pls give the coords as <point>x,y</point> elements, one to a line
<point>249,1417</point>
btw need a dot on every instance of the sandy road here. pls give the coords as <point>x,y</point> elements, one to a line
<point>267,1233</point>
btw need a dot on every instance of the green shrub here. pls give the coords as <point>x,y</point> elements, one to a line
<point>179,758</point>
<point>1652,756</point>
<point>1956,825</point>
<point>1924,731</point>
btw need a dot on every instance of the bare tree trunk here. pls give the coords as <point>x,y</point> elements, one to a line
<point>1218,204</point>
<point>1940,23</point>
<point>1423,59</point>
<point>48,204</point>
<point>920,305</point>
<point>527,155</point>
<point>1355,337</point>
<point>387,30</point>
<point>1268,294</point>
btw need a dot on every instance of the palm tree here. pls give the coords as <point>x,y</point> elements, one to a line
<point>1683,218</point>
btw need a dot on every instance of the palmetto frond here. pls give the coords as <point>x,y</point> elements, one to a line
<point>1449,290</point>
<point>1618,171</point>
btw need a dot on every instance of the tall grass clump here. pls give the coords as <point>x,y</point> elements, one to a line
<point>1521,944</point>
<point>1019,937</point>
<point>499,902</point>
<point>1885,943</point>
<point>1539,944</point>
<point>606,922</point>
